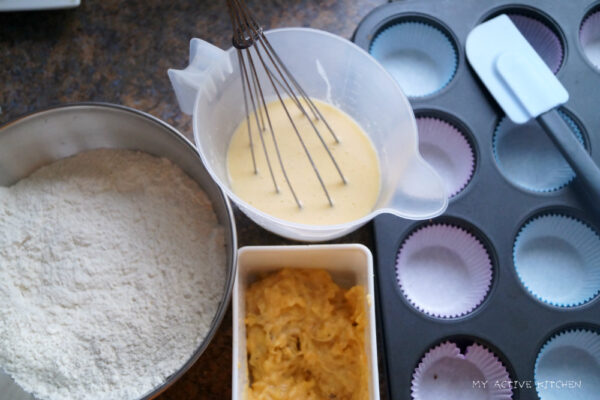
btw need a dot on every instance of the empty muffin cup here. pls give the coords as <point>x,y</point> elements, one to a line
<point>527,157</point>
<point>589,37</point>
<point>446,373</point>
<point>447,150</point>
<point>418,55</point>
<point>568,367</point>
<point>443,271</point>
<point>543,39</point>
<point>557,259</point>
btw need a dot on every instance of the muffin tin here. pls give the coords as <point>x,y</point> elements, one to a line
<point>511,322</point>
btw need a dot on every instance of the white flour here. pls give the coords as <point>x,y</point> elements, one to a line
<point>111,270</point>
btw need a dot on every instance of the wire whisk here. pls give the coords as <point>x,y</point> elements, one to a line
<point>255,54</point>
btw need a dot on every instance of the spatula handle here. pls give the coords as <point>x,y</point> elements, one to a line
<point>585,168</point>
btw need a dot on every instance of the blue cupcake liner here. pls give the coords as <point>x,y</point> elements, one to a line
<point>568,366</point>
<point>410,50</point>
<point>550,172</point>
<point>580,244</point>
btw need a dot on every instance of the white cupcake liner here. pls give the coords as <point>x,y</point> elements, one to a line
<point>557,259</point>
<point>589,37</point>
<point>419,56</point>
<point>570,360</point>
<point>443,271</point>
<point>543,39</point>
<point>447,150</point>
<point>528,158</point>
<point>445,373</point>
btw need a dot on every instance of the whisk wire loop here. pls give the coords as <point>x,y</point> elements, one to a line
<point>248,35</point>
<point>262,40</point>
<point>275,144</point>
<point>244,78</point>
<point>310,159</point>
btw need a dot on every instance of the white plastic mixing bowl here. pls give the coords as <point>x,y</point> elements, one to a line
<point>330,69</point>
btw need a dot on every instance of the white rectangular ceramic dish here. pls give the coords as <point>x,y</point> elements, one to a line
<point>26,5</point>
<point>348,264</point>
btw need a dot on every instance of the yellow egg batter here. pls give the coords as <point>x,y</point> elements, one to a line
<point>306,338</point>
<point>354,154</point>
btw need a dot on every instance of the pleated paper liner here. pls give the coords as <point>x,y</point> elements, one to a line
<point>445,373</point>
<point>447,150</point>
<point>443,271</point>
<point>589,37</point>
<point>543,39</point>
<point>418,55</point>
<point>557,258</point>
<point>568,367</point>
<point>527,157</point>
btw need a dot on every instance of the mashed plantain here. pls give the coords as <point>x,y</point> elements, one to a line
<point>306,338</point>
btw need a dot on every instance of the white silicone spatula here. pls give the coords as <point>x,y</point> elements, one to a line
<point>525,88</point>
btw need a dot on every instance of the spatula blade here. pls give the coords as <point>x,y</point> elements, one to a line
<point>512,71</point>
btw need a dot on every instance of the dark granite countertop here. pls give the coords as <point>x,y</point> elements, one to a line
<point>119,52</point>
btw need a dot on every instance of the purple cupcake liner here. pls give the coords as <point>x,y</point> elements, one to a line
<point>443,271</point>
<point>447,150</point>
<point>543,39</point>
<point>446,373</point>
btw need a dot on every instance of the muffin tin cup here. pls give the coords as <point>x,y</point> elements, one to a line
<point>510,321</point>
<point>557,259</point>
<point>589,37</point>
<point>418,55</point>
<point>568,366</point>
<point>445,372</point>
<point>447,150</point>
<point>443,271</point>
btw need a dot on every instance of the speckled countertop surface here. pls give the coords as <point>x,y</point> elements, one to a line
<point>119,52</point>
